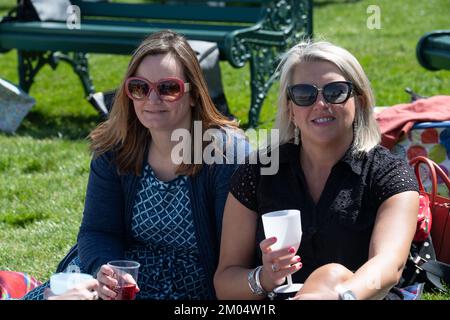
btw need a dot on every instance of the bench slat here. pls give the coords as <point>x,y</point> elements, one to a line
<point>162,25</point>
<point>194,12</point>
<point>53,36</point>
<point>102,26</point>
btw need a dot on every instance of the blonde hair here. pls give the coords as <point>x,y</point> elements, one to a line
<point>366,131</point>
<point>124,134</point>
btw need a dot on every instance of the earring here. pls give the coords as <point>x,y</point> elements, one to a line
<point>296,135</point>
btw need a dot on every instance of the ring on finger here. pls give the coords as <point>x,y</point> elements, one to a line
<point>275,267</point>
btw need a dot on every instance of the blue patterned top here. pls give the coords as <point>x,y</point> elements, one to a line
<point>163,226</point>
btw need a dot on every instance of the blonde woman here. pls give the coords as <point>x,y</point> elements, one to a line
<point>358,202</point>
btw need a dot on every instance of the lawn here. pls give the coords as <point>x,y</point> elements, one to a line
<point>44,165</point>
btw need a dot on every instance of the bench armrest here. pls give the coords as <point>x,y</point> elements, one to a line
<point>433,50</point>
<point>280,26</point>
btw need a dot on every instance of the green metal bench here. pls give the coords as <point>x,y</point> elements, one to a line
<point>433,50</point>
<point>245,31</point>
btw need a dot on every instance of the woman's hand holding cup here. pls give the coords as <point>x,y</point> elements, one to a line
<point>277,264</point>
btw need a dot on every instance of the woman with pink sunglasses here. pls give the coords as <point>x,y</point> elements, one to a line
<point>144,201</point>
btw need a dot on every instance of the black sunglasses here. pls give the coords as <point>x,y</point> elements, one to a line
<point>304,95</point>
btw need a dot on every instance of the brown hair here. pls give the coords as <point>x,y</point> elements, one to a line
<point>123,133</point>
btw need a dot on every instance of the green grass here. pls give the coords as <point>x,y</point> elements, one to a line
<point>44,166</point>
<point>388,54</point>
<point>42,182</point>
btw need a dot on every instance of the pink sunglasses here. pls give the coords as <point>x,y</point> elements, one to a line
<point>167,89</point>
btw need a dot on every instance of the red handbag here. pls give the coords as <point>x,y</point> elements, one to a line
<point>439,206</point>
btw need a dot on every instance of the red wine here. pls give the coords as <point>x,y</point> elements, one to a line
<point>127,292</point>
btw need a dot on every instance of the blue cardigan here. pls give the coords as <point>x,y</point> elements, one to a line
<point>105,231</point>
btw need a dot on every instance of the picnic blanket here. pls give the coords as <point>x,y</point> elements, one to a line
<point>14,285</point>
<point>395,122</point>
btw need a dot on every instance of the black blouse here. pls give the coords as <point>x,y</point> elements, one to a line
<point>338,228</point>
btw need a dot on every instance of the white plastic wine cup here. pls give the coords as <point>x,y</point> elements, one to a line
<point>64,281</point>
<point>286,226</point>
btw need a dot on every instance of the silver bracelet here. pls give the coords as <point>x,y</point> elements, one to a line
<point>258,280</point>
<point>254,282</point>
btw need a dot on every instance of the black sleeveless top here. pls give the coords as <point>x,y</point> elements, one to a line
<point>338,228</point>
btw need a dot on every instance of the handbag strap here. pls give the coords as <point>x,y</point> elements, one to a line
<point>441,173</point>
<point>416,162</point>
